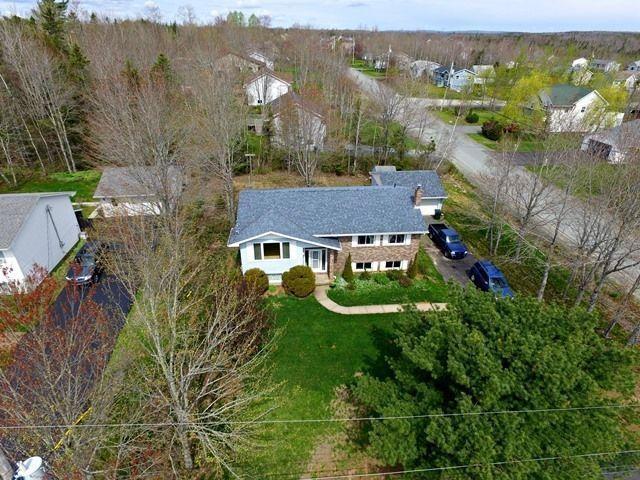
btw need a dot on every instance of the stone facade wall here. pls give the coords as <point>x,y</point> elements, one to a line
<point>377,253</point>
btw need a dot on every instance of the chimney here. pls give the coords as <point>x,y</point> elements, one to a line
<point>417,197</point>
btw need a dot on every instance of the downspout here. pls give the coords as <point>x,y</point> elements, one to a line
<point>55,228</point>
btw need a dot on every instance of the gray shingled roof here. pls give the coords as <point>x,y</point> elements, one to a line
<point>313,213</point>
<point>563,94</point>
<point>429,180</point>
<point>15,208</point>
<point>627,133</point>
<point>145,181</point>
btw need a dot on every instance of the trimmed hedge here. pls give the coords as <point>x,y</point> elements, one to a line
<point>347,272</point>
<point>257,280</point>
<point>299,281</point>
<point>492,130</point>
<point>472,117</point>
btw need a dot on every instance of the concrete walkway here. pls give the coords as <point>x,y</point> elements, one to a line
<point>321,295</point>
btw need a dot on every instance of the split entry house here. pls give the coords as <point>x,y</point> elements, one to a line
<point>278,229</point>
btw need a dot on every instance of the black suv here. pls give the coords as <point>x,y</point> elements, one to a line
<point>86,267</point>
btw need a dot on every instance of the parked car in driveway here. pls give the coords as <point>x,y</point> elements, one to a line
<point>447,240</point>
<point>489,278</point>
<point>87,264</point>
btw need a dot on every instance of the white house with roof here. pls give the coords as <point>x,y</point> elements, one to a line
<point>634,66</point>
<point>579,64</point>
<point>380,227</point>
<point>37,229</point>
<point>604,65</point>
<point>264,87</point>
<point>614,144</point>
<point>570,108</point>
<point>262,58</point>
<point>484,73</point>
<point>629,80</point>
<point>422,68</point>
<point>140,190</point>
<point>462,79</point>
<point>432,193</point>
<point>297,120</point>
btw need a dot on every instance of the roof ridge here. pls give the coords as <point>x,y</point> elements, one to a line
<point>315,189</point>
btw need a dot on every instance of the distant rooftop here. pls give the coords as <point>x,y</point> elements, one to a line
<point>143,181</point>
<point>429,180</point>
<point>563,94</point>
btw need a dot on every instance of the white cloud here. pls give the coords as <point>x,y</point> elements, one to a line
<point>150,4</point>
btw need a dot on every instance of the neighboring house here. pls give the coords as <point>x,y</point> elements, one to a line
<point>627,79</point>
<point>381,62</point>
<point>278,229</point>
<point>299,121</point>
<point>579,64</point>
<point>37,229</point>
<point>143,190</point>
<point>440,76</point>
<point>462,80</point>
<point>484,73</point>
<point>614,144</point>
<point>604,65</point>
<point>422,68</point>
<point>263,59</point>
<point>634,66</point>
<point>402,61</point>
<point>264,87</point>
<point>576,109</point>
<point>433,194</point>
<point>237,62</point>
<point>581,76</point>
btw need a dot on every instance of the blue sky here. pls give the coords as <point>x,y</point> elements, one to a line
<point>492,15</point>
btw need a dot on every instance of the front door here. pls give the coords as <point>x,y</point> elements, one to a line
<point>316,259</point>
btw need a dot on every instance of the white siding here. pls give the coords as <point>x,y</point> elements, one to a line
<point>273,268</point>
<point>9,267</point>
<point>265,89</point>
<point>428,206</point>
<point>587,114</point>
<point>37,242</point>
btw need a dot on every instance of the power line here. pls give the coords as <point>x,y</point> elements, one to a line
<point>476,465</point>
<point>320,420</point>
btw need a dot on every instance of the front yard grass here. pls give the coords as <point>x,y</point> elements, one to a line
<point>316,351</point>
<point>83,182</point>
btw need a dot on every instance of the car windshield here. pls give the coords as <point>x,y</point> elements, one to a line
<point>85,260</point>
<point>454,238</point>
<point>498,282</point>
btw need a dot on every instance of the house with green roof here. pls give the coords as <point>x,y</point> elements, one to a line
<point>572,108</point>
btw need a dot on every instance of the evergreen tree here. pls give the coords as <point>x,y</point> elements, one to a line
<point>236,18</point>
<point>347,272</point>
<point>51,17</point>
<point>484,354</point>
<point>253,21</point>
<point>76,66</point>
<point>131,74</point>
<point>162,69</point>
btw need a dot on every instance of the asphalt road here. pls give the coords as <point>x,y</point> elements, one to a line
<point>474,161</point>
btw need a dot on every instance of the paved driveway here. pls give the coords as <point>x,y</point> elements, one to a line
<point>454,270</point>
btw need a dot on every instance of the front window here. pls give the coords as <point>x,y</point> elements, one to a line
<point>453,238</point>
<point>271,251</point>
<point>366,239</point>
<point>363,265</point>
<point>393,264</point>
<point>396,239</point>
<point>498,282</point>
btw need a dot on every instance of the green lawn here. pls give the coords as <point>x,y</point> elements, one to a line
<point>481,139</point>
<point>362,66</point>
<point>316,351</point>
<point>371,133</point>
<point>447,115</point>
<point>431,288</point>
<point>83,183</point>
<point>529,144</point>
<point>589,179</point>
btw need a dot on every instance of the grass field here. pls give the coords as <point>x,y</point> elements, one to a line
<point>362,66</point>
<point>317,351</point>
<point>83,183</point>
<point>589,179</point>
<point>447,115</point>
